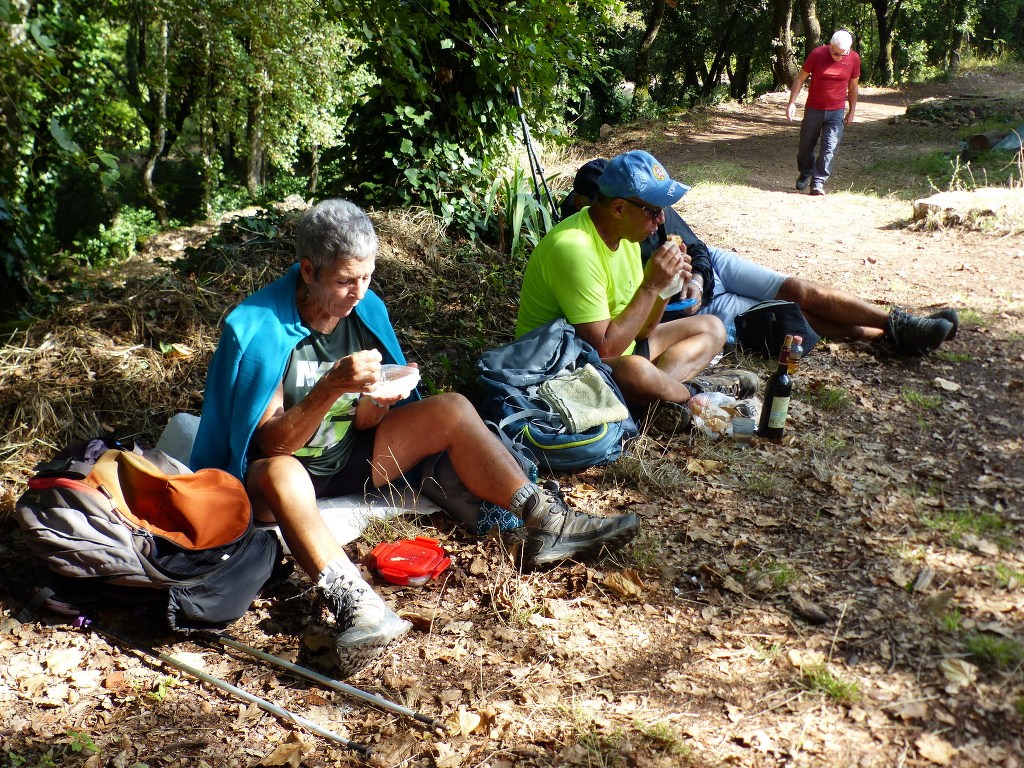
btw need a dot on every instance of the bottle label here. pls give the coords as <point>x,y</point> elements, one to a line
<point>780,409</point>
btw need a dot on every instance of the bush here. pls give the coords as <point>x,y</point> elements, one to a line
<point>129,227</point>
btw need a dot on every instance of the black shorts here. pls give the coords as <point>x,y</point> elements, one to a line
<point>357,474</point>
<point>642,348</point>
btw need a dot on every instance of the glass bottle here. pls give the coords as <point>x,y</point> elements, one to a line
<point>772,424</point>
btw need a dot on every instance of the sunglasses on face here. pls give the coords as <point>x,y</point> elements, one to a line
<point>839,54</point>
<point>649,210</point>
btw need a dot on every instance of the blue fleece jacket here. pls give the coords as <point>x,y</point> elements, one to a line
<point>258,337</point>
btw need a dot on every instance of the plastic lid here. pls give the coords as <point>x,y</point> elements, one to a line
<point>410,561</point>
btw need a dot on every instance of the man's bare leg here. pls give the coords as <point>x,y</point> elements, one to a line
<point>835,314</point>
<point>680,350</point>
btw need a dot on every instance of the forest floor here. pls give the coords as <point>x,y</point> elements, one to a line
<point>853,596</point>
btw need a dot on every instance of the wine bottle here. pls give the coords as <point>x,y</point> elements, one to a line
<point>772,424</point>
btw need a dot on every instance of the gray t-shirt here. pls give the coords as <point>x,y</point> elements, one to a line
<point>329,447</point>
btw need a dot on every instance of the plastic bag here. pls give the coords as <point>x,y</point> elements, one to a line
<point>713,412</point>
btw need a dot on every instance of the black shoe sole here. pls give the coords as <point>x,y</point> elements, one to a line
<point>540,550</point>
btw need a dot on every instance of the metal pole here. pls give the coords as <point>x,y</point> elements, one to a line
<point>337,685</point>
<point>244,695</point>
<point>532,156</point>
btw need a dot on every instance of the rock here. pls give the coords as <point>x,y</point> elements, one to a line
<point>808,611</point>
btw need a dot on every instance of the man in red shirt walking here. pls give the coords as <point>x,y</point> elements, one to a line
<point>834,70</point>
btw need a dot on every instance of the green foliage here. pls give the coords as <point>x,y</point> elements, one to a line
<point>829,398</point>
<point>521,219</point>
<point>995,651</point>
<point>953,620</point>
<point>81,742</point>
<point>1008,577</point>
<point>118,242</point>
<point>818,678</point>
<point>954,523</point>
<point>441,108</point>
<point>919,399</point>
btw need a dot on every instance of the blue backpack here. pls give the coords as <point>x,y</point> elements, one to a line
<point>510,376</point>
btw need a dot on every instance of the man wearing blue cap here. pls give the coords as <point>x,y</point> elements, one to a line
<point>588,270</point>
<point>725,285</point>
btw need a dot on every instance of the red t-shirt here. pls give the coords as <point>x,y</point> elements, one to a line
<point>830,79</point>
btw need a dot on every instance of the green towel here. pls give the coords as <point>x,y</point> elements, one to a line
<point>583,399</point>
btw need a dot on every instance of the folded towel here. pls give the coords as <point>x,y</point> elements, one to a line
<point>583,399</point>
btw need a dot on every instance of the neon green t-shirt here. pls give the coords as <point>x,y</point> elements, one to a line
<point>573,274</point>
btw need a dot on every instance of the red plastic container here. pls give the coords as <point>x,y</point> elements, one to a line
<point>409,561</point>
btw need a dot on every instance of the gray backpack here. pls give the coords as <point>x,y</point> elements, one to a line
<point>117,524</point>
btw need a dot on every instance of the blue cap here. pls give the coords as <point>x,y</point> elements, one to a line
<point>639,174</point>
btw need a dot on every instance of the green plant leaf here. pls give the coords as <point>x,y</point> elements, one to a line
<point>62,137</point>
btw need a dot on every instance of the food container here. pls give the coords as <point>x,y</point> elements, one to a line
<point>396,381</point>
<point>409,561</point>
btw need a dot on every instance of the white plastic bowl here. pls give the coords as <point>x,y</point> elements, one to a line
<point>396,381</point>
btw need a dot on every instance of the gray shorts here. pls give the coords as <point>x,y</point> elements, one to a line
<point>739,285</point>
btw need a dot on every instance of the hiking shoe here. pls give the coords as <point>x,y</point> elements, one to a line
<point>949,314</point>
<point>802,182</point>
<point>737,382</point>
<point>554,532</point>
<point>367,625</point>
<point>668,418</point>
<point>916,335</point>
<point>818,190</point>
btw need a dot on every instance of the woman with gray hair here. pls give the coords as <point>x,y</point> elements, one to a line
<point>289,408</point>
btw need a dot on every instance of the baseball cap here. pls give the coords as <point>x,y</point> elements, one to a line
<point>638,174</point>
<point>585,182</point>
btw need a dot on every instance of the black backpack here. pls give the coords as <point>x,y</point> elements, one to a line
<point>763,328</point>
<point>118,524</point>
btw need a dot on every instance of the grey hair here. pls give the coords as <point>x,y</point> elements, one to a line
<point>332,230</point>
<point>843,39</point>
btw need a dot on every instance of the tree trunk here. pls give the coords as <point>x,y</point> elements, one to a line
<point>254,165</point>
<point>721,56</point>
<point>642,70</point>
<point>812,27</point>
<point>784,66</point>
<point>156,119</point>
<point>314,170</point>
<point>885,20</point>
<point>959,20</point>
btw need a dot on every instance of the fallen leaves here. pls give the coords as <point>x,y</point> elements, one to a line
<point>626,584</point>
<point>935,749</point>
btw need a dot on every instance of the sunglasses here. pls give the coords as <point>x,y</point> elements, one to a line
<point>649,210</point>
<point>838,55</point>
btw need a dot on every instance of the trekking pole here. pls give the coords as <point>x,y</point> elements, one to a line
<point>337,685</point>
<point>274,709</point>
<point>535,165</point>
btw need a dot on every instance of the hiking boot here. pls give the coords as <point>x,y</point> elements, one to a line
<point>949,314</point>
<point>818,190</point>
<point>802,182</point>
<point>916,335</point>
<point>737,382</point>
<point>367,625</point>
<point>554,532</point>
<point>668,418</point>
